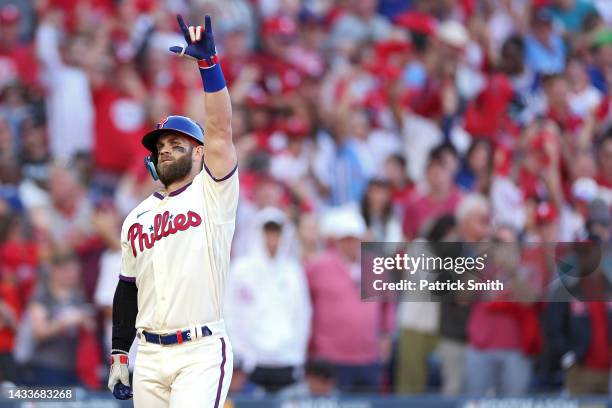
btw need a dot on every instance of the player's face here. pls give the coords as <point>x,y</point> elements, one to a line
<point>174,159</point>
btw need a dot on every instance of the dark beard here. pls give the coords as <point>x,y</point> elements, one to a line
<point>175,171</point>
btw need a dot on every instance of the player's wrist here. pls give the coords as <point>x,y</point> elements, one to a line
<point>119,351</point>
<point>209,62</point>
<point>212,75</point>
<point>119,358</point>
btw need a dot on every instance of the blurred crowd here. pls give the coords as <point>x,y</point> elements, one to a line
<point>369,120</point>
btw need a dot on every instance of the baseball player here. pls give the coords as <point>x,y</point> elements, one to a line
<point>175,254</point>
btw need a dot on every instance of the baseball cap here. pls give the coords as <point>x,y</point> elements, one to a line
<point>585,189</point>
<point>389,47</point>
<point>272,218</point>
<point>453,33</point>
<point>9,14</point>
<point>417,22</point>
<point>343,222</point>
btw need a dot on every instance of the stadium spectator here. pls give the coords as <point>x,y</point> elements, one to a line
<point>502,334</point>
<point>377,211</point>
<point>579,331</point>
<point>341,166</point>
<point>584,97</point>
<point>396,172</point>
<point>475,174</point>
<point>545,51</point>
<point>9,320</point>
<point>525,81</point>
<point>418,324</point>
<point>360,348</point>
<point>473,225</point>
<point>599,69</point>
<point>58,312</point>
<point>66,79</point>
<point>268,293</point>
<point>578,334</point>
<point>439,196</point>
<point>17,57</point>
<point>67,221</point>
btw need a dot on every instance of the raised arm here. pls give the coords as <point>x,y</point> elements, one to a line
<point>47,44</point>
<point>220,155</point>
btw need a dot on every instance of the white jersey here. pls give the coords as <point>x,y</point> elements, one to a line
<point>177,250</point>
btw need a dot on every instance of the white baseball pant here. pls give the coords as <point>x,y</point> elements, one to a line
<point>196,373</point>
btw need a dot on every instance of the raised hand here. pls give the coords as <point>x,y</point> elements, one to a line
<point>200,42</point>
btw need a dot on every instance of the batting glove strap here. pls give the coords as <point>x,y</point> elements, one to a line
<point>208,62</point>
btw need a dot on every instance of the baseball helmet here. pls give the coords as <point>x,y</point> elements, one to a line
<point>174,123</point>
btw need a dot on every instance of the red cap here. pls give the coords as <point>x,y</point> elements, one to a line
<point>9,14</point>
<point>281,26</point>
<point>546,213</point>
<point>418,22</point>
<point>385,49</point>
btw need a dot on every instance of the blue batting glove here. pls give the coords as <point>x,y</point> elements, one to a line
<point>200,42</point>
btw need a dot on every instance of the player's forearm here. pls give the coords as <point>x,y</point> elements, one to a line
<point>47,46</point>
<point>125,309</point>
<point>220,154</point>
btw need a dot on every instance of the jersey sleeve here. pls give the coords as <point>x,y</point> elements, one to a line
<point>127,271</point>
<point>221,195</point>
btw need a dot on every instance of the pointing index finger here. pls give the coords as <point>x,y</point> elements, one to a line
<point>207,24</point>
<point>183,27</point>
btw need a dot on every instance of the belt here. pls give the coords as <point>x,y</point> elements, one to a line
<point>173,338</point>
